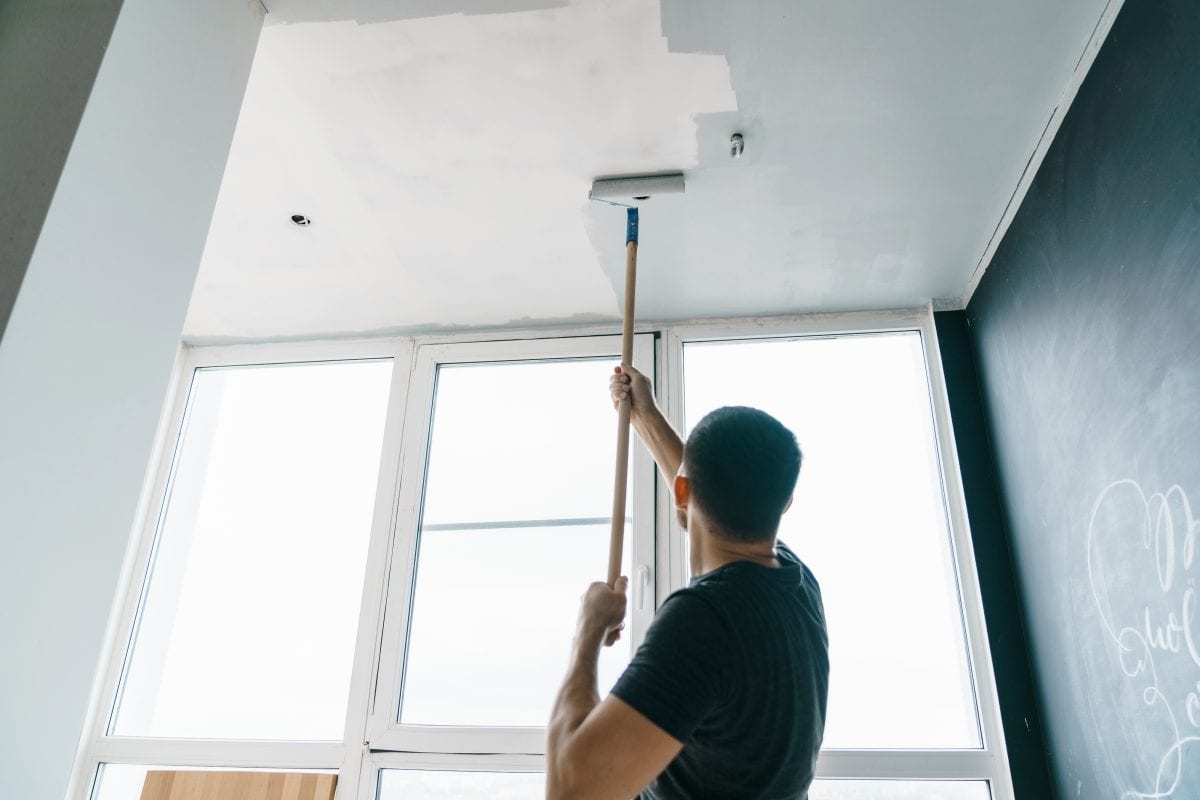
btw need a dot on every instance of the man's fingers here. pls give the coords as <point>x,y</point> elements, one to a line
<point>613,635</point>
<point>620,390</point>
<point>620,386</point>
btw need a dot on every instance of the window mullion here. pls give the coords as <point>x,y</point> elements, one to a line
<point>971,601</point>
<point>436,527</point>
<point>220,753</point>
<point>907,764</point>
<point>371,614</point>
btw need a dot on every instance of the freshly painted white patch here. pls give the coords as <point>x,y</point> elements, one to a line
<point>445,164</point>
<point>445,160</point>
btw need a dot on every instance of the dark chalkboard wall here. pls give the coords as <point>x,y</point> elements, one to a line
<point>1086,331</point>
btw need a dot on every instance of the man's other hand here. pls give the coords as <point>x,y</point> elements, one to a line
<point>602,611</point>
<point>628,382</point>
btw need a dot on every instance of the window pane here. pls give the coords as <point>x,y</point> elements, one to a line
<point>406,784</point>
<point>446,785</point>
<point>899,790</point>
<point>515,526</point>
<point>869,519</point>
<point>120,782</point>
<point>531,440</point>
<point>249,622</point>
<point>125,781</point>
<point>493,618</point>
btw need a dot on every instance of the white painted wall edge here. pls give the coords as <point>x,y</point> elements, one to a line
<point>79,782</point>
<point>86,356</point>
<point>1082,67</point>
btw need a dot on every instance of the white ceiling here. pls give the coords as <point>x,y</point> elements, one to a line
<point>444,149</point>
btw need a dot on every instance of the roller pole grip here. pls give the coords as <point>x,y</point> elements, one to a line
<point>617,538</point>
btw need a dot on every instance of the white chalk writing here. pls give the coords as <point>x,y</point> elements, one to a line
<point>1163,526</point>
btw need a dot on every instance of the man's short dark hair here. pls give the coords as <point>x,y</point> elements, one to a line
<point>742,466</point>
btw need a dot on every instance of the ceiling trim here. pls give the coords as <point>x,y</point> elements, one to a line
<point>1082,67</point>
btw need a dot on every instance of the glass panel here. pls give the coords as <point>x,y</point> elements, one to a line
<point>120,782</point>
<point>249,622</point>
<point>869,519</point>
<point>898,790</point>
<point>124,781</point>
<point>530,440</point>
<point>515,527</point>
<point>406,784</point>
<point>493,618</point>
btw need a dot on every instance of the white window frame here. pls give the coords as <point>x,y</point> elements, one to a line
<point>99,747</point>
<point>990,761</point>
<point>388,572</point>
<point>384,732</point>
<point>374,763</point>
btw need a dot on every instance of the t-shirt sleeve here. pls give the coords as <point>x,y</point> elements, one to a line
<point>677,676</point>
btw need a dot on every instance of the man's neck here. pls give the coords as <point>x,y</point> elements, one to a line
<point>716,551</point>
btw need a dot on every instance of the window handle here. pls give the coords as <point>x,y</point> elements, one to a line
<point>642,589</point>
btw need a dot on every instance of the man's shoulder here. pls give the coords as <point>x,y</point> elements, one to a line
<point>699,598</point>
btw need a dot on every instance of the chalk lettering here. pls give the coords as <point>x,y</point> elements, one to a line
<point>1189,625</point>
<point>1163,526</point>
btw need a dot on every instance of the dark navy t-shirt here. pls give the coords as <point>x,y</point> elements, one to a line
<point>736,666</point>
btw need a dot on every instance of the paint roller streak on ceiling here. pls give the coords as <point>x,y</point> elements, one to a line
<point>445,160</point>
<point>370,11</point>
<point>445,163</point>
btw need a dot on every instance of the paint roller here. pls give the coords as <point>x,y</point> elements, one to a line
<point>628,193</point>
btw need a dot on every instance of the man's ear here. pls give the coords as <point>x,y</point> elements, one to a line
<point>683,492</point>
<point>788,504</point>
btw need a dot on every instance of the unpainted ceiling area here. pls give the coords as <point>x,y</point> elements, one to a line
<point>444,150</point>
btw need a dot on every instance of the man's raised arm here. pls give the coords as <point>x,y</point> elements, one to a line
<point>652,427</point>
<point>600,750</point>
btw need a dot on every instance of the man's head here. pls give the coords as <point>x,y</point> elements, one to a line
<point>739,467</point>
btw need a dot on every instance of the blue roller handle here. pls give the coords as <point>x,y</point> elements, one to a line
<point>631,225</point>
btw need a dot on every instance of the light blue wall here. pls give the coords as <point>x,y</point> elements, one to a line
<point>88,349</point>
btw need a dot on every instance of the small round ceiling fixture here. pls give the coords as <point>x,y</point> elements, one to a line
<point>300,219</point>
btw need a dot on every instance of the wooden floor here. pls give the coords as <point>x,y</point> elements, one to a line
<point>201,785</point>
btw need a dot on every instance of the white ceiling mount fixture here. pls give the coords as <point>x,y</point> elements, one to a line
<point>447,149</point>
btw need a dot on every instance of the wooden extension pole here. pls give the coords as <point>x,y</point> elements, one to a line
<point>617,540</point>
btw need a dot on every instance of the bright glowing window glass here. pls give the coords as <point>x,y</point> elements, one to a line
<point>411,784</point>
<point>898,790</point>
<point>249,619</point>
<point>869,519</point>
<point>515,524</point>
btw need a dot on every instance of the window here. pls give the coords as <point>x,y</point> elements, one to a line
<point>510,500</point>
<point>869,519</point>
<point>412,784</point>
<point>898,790</point>
<point>248,624</point>
<point>872,518</point>
<point>366,557</point>
<point>245,615</point>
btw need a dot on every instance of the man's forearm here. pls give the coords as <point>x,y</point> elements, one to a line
<point>576,699</point>
<point>663,442</point>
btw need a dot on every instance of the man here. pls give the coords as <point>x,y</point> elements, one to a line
<point>726,696</point>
